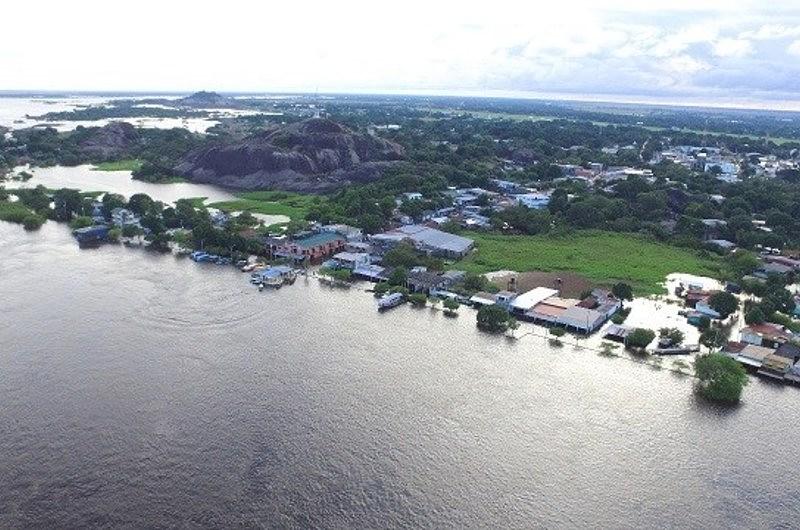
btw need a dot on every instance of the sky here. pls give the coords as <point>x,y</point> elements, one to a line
<point>729,52</point>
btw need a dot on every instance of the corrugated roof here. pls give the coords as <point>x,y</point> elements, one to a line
<point>529,299</point>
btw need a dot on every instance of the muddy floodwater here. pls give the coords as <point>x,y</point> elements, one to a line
<point>143,390</point>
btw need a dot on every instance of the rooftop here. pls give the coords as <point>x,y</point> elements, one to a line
<point>319,238</point>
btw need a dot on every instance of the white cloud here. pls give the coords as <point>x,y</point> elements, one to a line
<point>732,47</point>
<point>660,46</point>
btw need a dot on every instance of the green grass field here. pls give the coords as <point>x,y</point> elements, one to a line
<point>603,257</point>
<point>119,165</point>
<point>292,205</point>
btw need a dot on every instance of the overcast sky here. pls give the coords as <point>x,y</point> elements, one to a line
<point>677,50</point>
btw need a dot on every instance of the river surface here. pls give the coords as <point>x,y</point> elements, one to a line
<point>146,391</point>
<point>18,112</point>
<point>86,178</point>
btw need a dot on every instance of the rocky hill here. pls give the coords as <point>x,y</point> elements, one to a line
<point>110,141</point>
<point>206,100</point>
<point>315,155</point>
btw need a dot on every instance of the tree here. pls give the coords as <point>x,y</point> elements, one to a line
<point>475,282</point>
<point>381,288</point>
<point>66,203</point>
<point>493,318</point>
<point>403,255</point>
<point>713,337</point>
<point>755,316</point>
<point>623,291</point>
<point>720,378</point>
<point>723,303</point>
<point>140,203</point>
<point>398,277</point>
<point>111,201</point>
<point>640,338</point>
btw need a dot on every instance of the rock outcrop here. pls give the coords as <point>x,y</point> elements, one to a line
<point>315,155</point>
<point>110,141</point>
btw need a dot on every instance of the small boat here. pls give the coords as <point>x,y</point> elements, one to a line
<point>289,277</point>
<point>198,255</point>
<point>390,300</point>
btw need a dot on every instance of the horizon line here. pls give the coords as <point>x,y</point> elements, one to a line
<point>779,105</point>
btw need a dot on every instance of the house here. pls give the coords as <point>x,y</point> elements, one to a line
<point>617,333</point>
<point>551,309</point>
<point>505,186</point>
<point>452,277</point>
<point>789,350</point>
<point>526,301</point>
<point>766,334</point>
<point>373,273</point>
<point>703,308</point>
<point>765,270</point>
<point>123,217</point>
<point>307,246</point>
<point>776,366</point>
<point>350,233</point>
<point>481,299</point>
<point>423,281</point>
<point>218,218</point>
<point>747,354</point>
<point>581,319</point>
<point>723,244</point>
<point>504,299</point>
<point>536,201</point>
<point>349,260</point>
<point>411,196</point>
<point>428,240</point>
<point>602,301</point>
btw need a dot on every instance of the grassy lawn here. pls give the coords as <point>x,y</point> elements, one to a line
<point>603,257</point>
<point>119,165</point>
<point>292,205</point>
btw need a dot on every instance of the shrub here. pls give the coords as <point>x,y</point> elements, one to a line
<point>418,299</point>
<point>451,307</point>
<point>640,338</point>
<point>32,221</point>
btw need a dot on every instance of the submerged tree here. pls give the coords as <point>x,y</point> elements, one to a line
<point>720,378</point>
<point>493,318</point>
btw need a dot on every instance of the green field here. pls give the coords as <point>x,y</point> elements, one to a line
<point>603,257</point>
<point>119,165</point>
<point>292,205</point>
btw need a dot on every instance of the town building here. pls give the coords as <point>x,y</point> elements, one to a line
<point>306,246</point>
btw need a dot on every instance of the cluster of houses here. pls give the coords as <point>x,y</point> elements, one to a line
<point>120,218</point>
<point>769,348</point>
<point>470,206</point>
<point>347,247</point>
<point>544,305</point>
